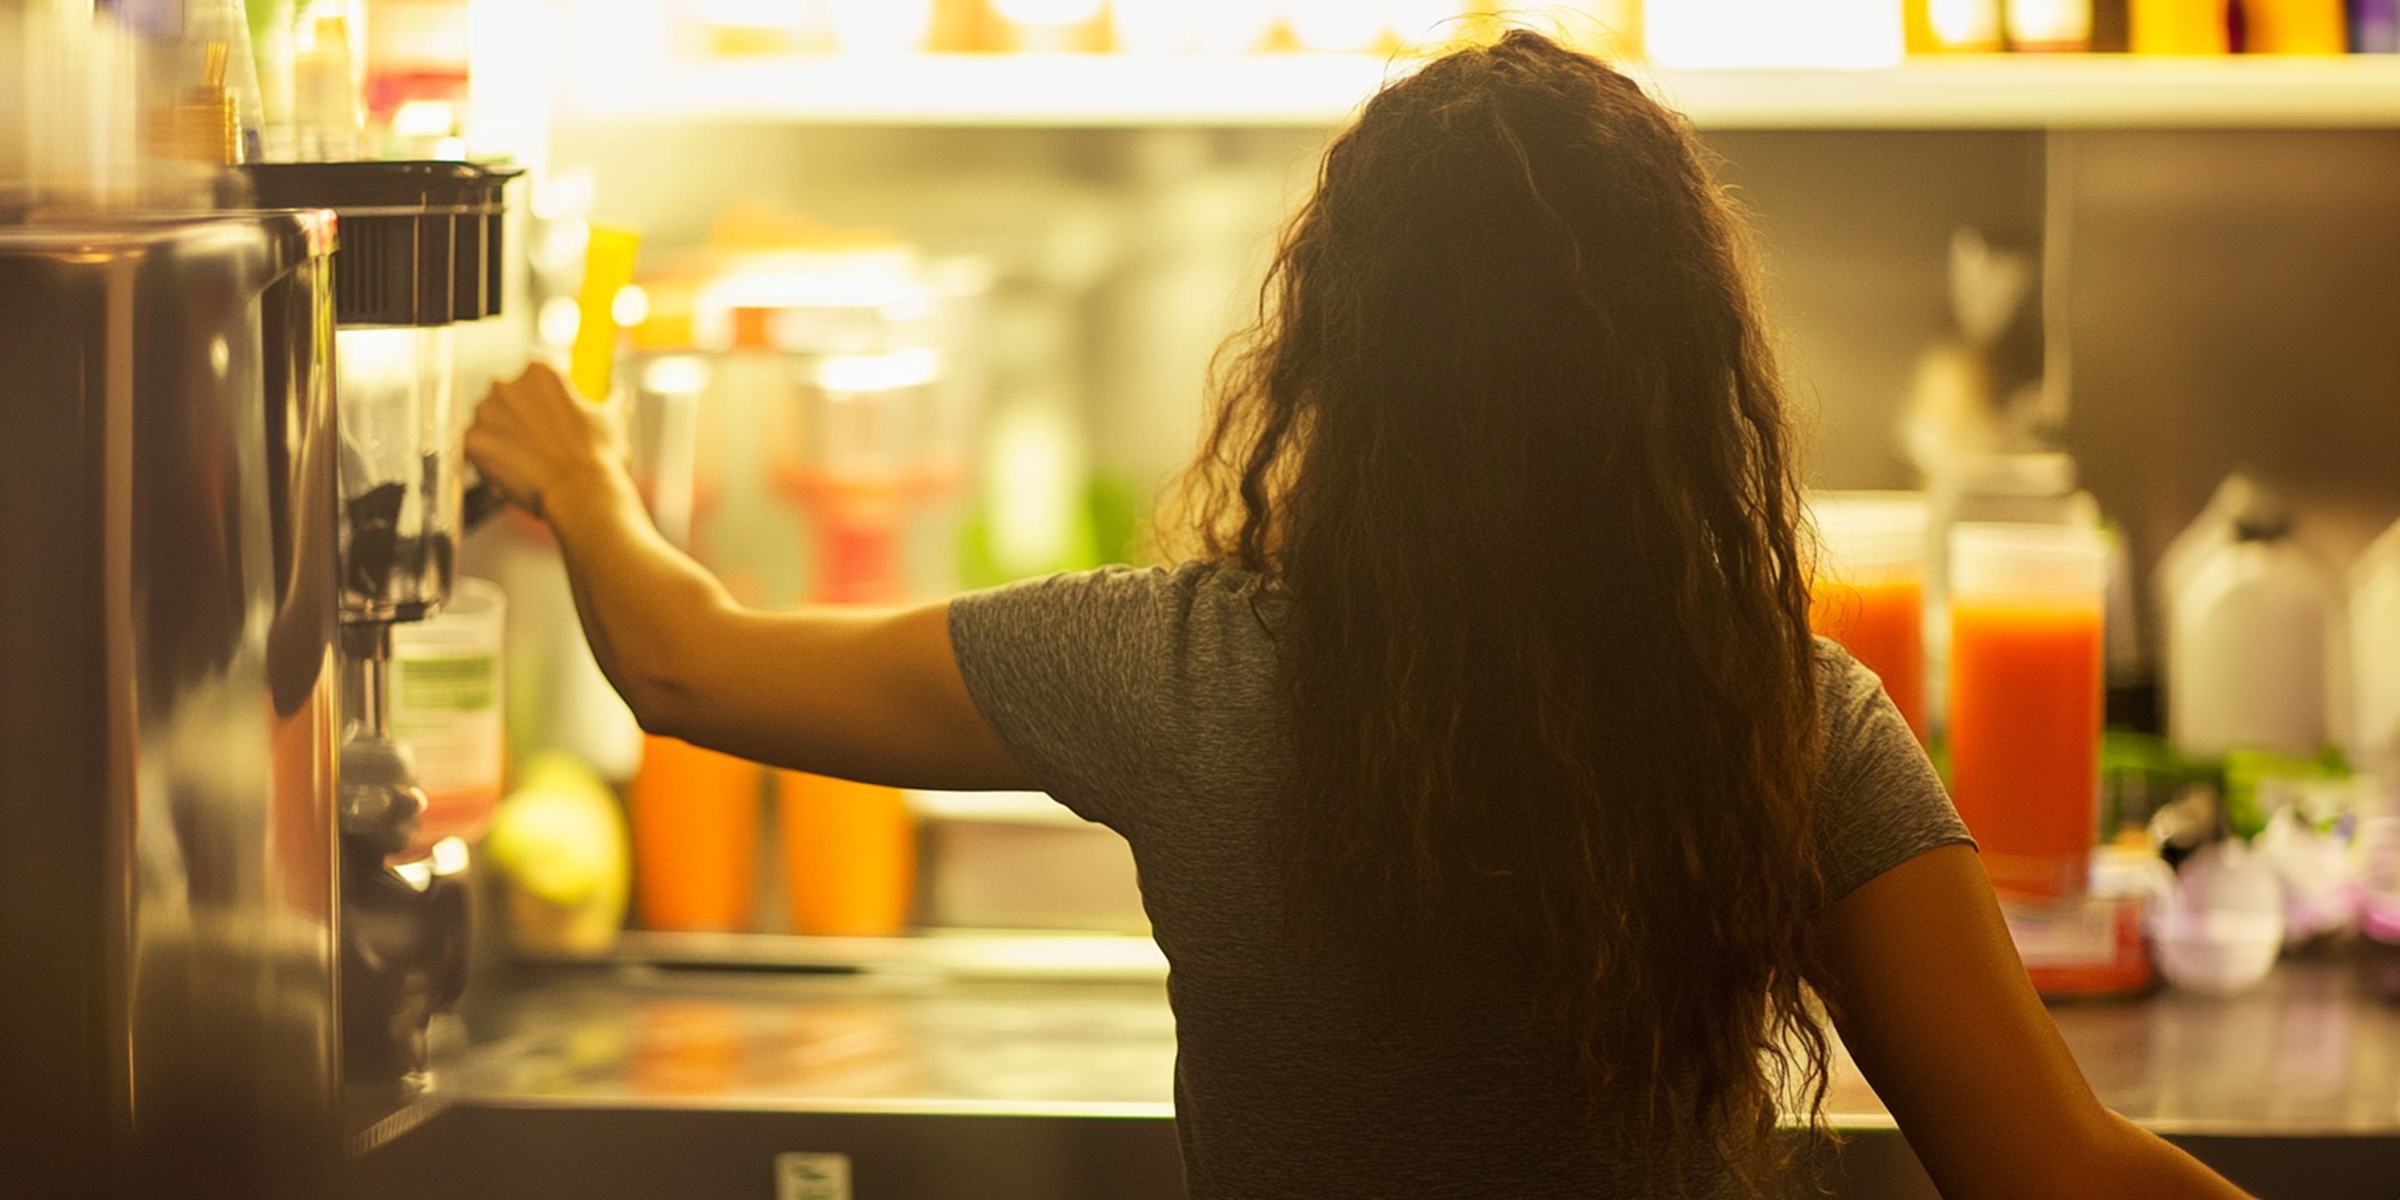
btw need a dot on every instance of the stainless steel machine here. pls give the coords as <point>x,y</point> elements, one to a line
<point>168,707</point>
<point>214,972</point>
<point>212,975</point>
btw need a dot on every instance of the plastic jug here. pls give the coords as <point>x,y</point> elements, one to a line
<point>2375,650</point>
<point>2253,629</point>
<point>2025,609</point>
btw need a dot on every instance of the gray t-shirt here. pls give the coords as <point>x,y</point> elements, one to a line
<point>1146,700</point>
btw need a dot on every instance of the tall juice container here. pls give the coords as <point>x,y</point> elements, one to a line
<point>1868,589</point>
<point>2025,699</point>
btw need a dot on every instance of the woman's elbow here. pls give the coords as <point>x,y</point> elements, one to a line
<point>661,703</point>
<point>662,675</point>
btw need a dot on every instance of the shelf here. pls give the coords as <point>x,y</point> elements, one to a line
<point>1302,90</point>
<point>2063,92</point>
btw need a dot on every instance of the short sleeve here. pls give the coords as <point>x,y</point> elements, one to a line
<point>1123,689</point>
<point>1065,670</point>
<point>1879,801</point>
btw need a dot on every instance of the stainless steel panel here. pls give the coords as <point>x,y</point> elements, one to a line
<point>166,712</point>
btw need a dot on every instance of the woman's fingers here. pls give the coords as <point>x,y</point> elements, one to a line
<point>532,432</point>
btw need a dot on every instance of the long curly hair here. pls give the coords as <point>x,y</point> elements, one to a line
<point>1510,434</point>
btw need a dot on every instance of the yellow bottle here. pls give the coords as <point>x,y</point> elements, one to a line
<point>2178,26</point>
<point>2296,27</point>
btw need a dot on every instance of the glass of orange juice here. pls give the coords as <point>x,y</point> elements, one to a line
<point>1868,588</point>
<point>2025,699</point>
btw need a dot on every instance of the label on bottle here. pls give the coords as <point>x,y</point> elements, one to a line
<point>2073,933</point>
<point>446,710</point>
<point>805,1175</point>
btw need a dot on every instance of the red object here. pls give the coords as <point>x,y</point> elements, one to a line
<point>1883,626</point>
<point>2083,946</point>
<point>2025,690</point>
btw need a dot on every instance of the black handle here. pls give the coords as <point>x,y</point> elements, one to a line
<point>480,504</point>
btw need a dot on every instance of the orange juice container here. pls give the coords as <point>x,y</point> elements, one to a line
<point>695,838</point>
<point>849,855</point>
<point>1868,588</point>
<point>2296,27</point>
<point>2025,700</point>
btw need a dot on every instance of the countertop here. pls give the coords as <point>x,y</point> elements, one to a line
<point>2314,1049</point>
<point>2299,1074</point>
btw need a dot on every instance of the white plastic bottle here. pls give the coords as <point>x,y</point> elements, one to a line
<point>2254,631</point>
<point>2375,650</point>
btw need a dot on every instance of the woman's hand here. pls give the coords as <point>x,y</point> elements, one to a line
<point>534,438</point>
<point>872,696</point>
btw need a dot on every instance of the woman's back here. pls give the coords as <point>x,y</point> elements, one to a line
<point>1149,701</point>
<point>1509,435</point>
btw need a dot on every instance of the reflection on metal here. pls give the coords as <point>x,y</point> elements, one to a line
<point>166,712</point>
<point>2309,1053</point>
<point>960,953</point>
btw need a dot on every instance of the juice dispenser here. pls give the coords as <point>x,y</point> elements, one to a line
<point>862,451</point>
<point>694,811</point>
<point>841,357</point>
<point>420,253</point>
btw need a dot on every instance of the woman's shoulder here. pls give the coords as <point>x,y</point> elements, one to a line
<point>1215,594</point>
<point>1881,801</point>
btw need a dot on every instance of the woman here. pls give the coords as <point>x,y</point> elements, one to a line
<point>1493,806</point>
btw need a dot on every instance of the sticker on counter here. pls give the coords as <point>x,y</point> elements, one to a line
<point>803,1175</point>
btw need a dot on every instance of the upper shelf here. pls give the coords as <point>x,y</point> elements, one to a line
<point>1967,92</point>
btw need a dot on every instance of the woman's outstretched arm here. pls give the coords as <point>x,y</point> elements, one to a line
<point>1929,996</point>
<point>863,694</point>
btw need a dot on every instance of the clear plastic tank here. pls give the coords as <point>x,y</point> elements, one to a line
<point>400,470</point>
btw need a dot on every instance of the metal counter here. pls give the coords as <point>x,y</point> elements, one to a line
<point>640,1081</point>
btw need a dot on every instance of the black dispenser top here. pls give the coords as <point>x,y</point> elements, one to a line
<point>420,241</point>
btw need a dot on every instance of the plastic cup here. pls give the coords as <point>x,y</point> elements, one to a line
<point>695,816</point>
<point>849,855</point>
<point>2025,699</point>
<point>447,709</point>
<point>1868,591</point>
